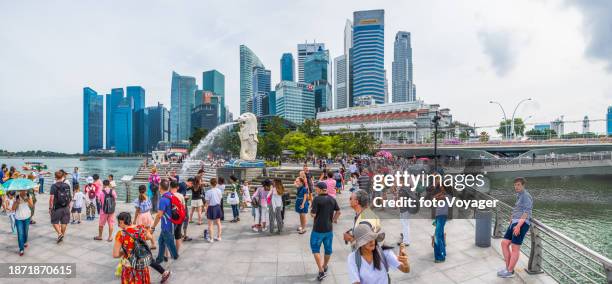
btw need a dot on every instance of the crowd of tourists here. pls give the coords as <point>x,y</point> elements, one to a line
<point>163,205</point>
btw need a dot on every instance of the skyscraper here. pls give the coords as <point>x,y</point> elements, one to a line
<point>609,121</point>
<point>304,50</point>
<point>287,65</point>
<point>368,57</point>
<point>123,123</point>
<point>248,60</point>
<point>159,125</point>
<point>402,82</point>
<point>341,69</point>
<point>182,101</point>
<point>137,93</point>
<point>295,101</point>
<point>139,117</point>
<point>214,81</point>
<point>93,120</point>
<point>316,73</point>
<point>112,101</point>
<point>261,87</point>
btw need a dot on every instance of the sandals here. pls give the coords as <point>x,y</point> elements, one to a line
<point>97,238</point>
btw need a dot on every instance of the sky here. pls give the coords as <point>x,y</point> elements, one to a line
<point>465,54</point>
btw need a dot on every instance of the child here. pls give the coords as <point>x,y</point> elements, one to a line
<point>8,204</point>
<point>90,191</point>
<point>143,215</point>
<point>246,196</point>
<point>78,200</point>
<point>233,200</point>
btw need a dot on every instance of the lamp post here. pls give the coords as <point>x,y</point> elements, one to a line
<point>436,121</point>
<point>505,117</point>
<point>513,113</point>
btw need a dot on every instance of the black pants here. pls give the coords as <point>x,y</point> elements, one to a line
<point>157,267</point>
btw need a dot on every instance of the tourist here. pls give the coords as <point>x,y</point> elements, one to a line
<point>261,198</point>
<point>196,199</point>
<point>90,192</point>
<point>309,181</point>
<point>185,186</point>
<point>354,182</point>
<point>78,200</point>
<point>41,181</point>
<point>339,180</point>
<point>519,226</point>
<point>154,182</point>
<point>371,262</point>
<point>331,184</point>
<point>178,228</point>
<point>406,193</point>
<point>213,197</point>
<point>124,245</point>
<point>441,213</point>
<point>143,217</point>
<point>221,185</point>
<point>32,193</point>
<point>233,199</point>
<point>166,235</point>
<point>359,202</point>
<point>276,205</point>
<point>59,203</point>
<point>301,203</point>
<point>111,180</point>
<point>98,185</point>
<point>325,211</point>
<point>353,169</point>
<point>75,176</point>
<point>107,199</point>
<point>9,201</point>
<point>22,207</point>
<point>246,196</point>
<point>365,181</point>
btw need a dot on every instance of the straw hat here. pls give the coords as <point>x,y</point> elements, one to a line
<point>363,234</point>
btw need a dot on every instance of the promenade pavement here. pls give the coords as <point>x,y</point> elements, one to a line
<point>244,256</point>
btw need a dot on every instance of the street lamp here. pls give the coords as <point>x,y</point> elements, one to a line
<point>513,113</point>
<point>436,121</point>
<point>505,117</point>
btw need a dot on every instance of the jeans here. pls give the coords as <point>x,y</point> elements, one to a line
<point>235,211</point>
<point>11,217</point>
<point>439,242</point>
<point>22,232</point>
<point>275,214</point>
<point>155,197</point>
<point>404,219</point>
<point>166,239</point>
<point>41,181</point>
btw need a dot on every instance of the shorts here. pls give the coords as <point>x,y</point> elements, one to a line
<point>60,216</point>
<point>213,212</point>
<point>338,184</point>
<point>75,210</point>
<point>298,202</point>
<point>325,238</point>
<point>178,232</point>
<point>195,203</point>
<point>517,240</point>
<point>106,218</point>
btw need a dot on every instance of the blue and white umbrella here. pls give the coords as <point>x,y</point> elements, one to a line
<point>18,184</point>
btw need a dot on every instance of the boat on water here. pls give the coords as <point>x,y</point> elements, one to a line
<point>30,166</point>
<point>89,158</point>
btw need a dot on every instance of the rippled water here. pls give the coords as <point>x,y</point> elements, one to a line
<point>577,206</point>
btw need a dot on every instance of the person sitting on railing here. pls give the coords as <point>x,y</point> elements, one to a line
<point>519,226</point>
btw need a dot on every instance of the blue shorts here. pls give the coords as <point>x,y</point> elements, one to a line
<point>317,238</point>
<point>517,240</point>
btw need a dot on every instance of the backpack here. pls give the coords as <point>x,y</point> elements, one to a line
<point>177,215</point>
<point>255,201</point>
<point>91,192</point>
<point>382,259</point>
<point>62,195</point>
<point>109,203</point>
<point>141,255</point>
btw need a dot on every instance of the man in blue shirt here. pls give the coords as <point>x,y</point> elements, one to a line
<point>519,226</point>
<point>166,236</point>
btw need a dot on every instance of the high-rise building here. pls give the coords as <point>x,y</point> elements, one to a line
<point>295,101</point>
<point>387,99</point>
<point>112,101</point>
<point>403,89</point>
<point>305,50</point>
<point>137,93</point>
<point>609,121</point>
<point>139,117</point>
<point>159,125</point>
<point>248,60</point>
<point>214,81</point>
<point>205,115</point>
<point>287,65</point>
<point>341,69</point>
<point>93,120</point>
<point>316,73</point>
<point>182,101</point>
<point>123,123</point>
<point>261,87</point>
<point>586,125</point>
<point>368,56</point>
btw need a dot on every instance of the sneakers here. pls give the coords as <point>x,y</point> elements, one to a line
<point>506,274</point>
<point>501,271</point>
<point>218,239</point>
<point>60,238</point>
<point>209,240</point>
<point>165,276</point>
<point>321,276</point>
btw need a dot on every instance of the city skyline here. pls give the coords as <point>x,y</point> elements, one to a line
<point>489,52</point>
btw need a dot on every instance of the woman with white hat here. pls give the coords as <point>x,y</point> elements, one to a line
<point>370,263</point>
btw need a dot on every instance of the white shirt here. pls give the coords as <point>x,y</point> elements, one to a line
<point>368,274</point>
<point>353,168</point>
<point>246,195</point>
<point>213,196</point>
<point>23,211</point>
<point>277,200</point>
<point>78,199</point>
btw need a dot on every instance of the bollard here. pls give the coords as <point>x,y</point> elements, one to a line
<point>535,255</point>
<point>483,228</point>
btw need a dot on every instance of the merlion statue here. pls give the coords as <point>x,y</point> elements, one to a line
<point>248,136</point>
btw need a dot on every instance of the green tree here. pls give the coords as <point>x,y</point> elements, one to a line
<point>365,143</point>
<point>322,145</point>
<point>196,137</point>
<point>310,127</point>
<point>270,143</point>
<point>505,125</point>
<point>544,134</point>
<point>228,142</point>
<point>484,137</point>
<point>298,143</point>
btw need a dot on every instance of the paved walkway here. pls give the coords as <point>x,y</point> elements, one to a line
<point>248,257</point>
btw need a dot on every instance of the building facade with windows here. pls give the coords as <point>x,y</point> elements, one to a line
<point>287,67</point>
<point>305,50</point>
<point>248,60</point>
<point>182,100</point>
<point>159,125</point>
<point>123,125</point>
<point>403,89</point>
<point>368,56</point>
<point>112,101</point>
<point>295,101</point>
<point>214,81</point>
<point>93,120</point>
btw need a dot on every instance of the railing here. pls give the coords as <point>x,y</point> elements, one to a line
<point>445,143</point>
<point>558,159</point>
<point>550,251</point>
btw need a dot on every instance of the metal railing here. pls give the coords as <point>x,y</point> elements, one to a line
<point>550,251</point>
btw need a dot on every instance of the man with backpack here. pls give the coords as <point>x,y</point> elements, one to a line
<point>169,215</point>
<point>59,203</point>
<point>108,199</point>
